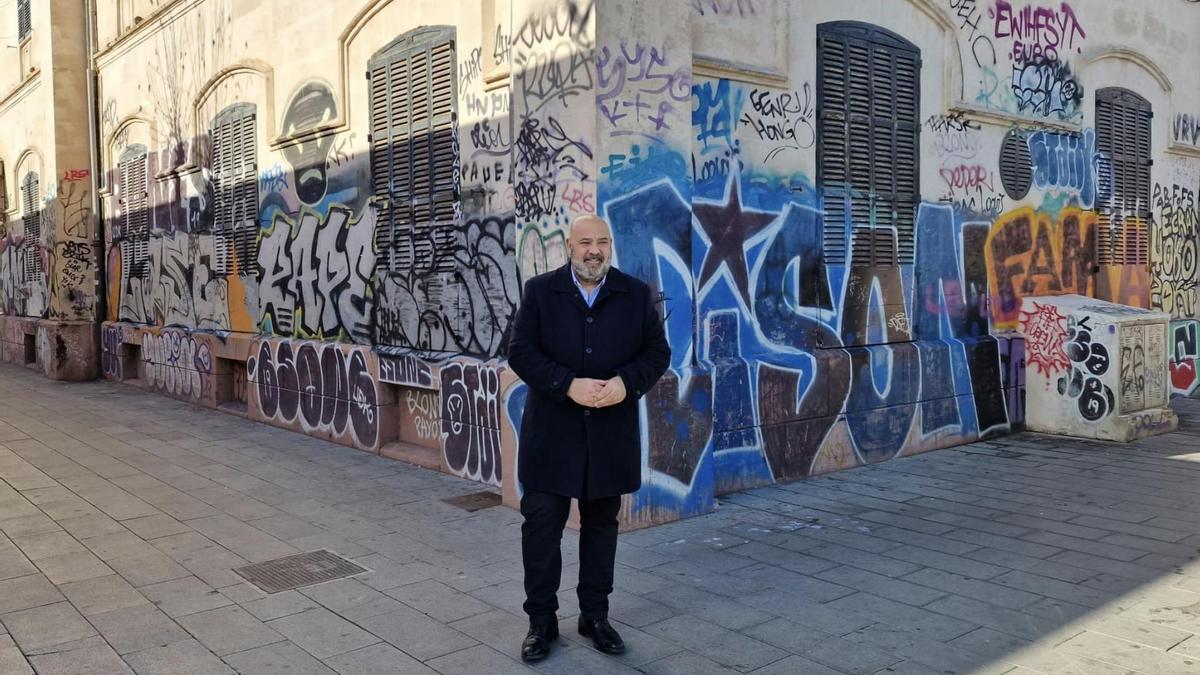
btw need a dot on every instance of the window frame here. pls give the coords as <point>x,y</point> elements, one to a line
<point>840,227</point>
<point>1118,244</point>
<point>236,206</point>
<point>132,231</point>
<point>31,210</point>
<point>390,244</point>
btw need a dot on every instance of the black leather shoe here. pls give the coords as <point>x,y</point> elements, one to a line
<point>604,637</point>
<point>537,642</point>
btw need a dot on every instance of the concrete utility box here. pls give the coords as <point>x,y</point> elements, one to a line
<point>1095,369</point>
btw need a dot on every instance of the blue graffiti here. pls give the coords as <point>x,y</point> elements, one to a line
<point>1065,161</point>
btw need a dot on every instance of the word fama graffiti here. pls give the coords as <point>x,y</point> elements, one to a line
<point>323,388</point>
<point>1029,254</point>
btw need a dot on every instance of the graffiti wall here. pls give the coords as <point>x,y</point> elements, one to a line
<point>47,255</point>
<point>325,390</point>
<point>814,324</point>
<point>1018,57</point>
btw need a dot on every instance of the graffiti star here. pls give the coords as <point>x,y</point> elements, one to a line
<point>727,227</point>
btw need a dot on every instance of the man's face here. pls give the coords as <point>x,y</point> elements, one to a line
<point>591,249</point>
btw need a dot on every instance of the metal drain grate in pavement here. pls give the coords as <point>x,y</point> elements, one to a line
<point>474,501</point>
<point>294,571</point>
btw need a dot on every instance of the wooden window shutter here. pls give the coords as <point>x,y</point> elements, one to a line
<point>134,232</point>
<point>24,19</point>
<point>868,161</point>
<point>31,213</point>
<point>413,151</point>
<point>1123,125</point>
<point>235,188</point>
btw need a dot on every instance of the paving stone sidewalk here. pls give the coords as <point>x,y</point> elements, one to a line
<point>123,513</point>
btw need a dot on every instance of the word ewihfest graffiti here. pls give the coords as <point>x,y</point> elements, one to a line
<point>1038,42</point>
<point>1036,31</point>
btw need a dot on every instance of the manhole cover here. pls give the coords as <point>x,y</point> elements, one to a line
<point>294,571</point>
<point>475,501</point>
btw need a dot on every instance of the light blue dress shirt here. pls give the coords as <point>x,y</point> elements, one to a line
<point>589,298</point>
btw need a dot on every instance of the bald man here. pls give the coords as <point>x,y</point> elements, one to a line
<point>589,342</point>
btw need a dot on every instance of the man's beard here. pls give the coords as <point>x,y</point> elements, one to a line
<point>586,275</point>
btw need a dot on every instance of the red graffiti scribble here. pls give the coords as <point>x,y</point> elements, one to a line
<point>73,175</point>
<point>967,177</point>
<point>1045,332</point>
<point>578,200</point>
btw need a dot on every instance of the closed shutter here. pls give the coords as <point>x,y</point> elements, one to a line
<point>1123,121</point>
<point>24,19</point>
<point>413,151</point>
<point>868,101</point>
<point>31,212</point>
<point>134,228</point>
<point>235,188</point>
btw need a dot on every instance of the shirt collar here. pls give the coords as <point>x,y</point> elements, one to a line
<point>576,280</point>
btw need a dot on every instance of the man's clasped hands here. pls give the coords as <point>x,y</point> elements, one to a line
<point>592,393</point>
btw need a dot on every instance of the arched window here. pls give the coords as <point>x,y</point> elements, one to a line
<point>868,106</point>
<point>1123,123</point>
<point>413,105</point>
<point>235,187</point>
<point>31,217</point>
<point>132,226</point>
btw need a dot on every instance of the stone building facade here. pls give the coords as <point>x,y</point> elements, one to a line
<point>320,215</point>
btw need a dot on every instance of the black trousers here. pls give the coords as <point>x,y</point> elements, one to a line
<point>541,550</point>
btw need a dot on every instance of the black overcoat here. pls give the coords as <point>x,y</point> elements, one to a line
<point>557,338</point>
